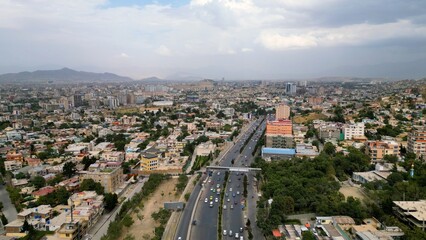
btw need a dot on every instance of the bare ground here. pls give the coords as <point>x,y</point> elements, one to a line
<point>144,228</point>
<point>352,191</point>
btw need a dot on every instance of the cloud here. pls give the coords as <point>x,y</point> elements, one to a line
<point>89,32</point>
<point>164,51</point>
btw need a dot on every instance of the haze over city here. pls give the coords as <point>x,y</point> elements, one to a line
<point>246,39</point>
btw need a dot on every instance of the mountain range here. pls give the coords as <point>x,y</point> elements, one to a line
<point>64,75</point>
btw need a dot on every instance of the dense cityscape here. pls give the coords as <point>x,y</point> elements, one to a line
<point>214,160</point>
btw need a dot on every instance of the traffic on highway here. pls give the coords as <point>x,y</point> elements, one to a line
<point>203,205</point>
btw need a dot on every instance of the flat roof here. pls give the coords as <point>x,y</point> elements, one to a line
<point>283,151</point>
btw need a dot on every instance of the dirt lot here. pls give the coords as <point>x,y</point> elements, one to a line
<point>311,116</point>
<point>352,191</point>
<point>143,228</point>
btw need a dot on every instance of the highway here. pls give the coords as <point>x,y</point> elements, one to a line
<point>233,218</point>
<point>206,217</point>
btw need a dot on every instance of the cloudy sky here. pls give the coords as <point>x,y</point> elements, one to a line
<point>234,39</point>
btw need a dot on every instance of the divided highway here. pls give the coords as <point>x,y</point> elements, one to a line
<point>206,217</point>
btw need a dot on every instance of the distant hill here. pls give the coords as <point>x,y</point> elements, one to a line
<point>64,75</point>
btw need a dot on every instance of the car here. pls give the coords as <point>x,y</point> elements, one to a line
<point>235,202</point>
<point>241,229</point>
<point>241,238</point>
<point>237,235</point>
<point>214,190</point>
<point>211,204</point>
<point>218,185</point>
<point>211,198</point>
<point>216,200</point>
<point>226,194</point>
<point>238,185</point>
<point>206,200</point>
<point>232,206</point>
<point>224,206</point>
<point>230,189</point>
<point>230,233</point>
<point>224,232</point>
<point>218,173</point>
<point>238,192</point>
<point>194,222</point>
<point>179,238</point>
<point>211,189</point>
<point>233,195</point>
<point>228,200</point>
<point>229,180</point>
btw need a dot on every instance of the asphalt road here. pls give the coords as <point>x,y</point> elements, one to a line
<point>234,219</point>
<point>9,210</point>
<point>206,217</point>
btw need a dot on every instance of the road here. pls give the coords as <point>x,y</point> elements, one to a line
<point>9,210</point>
<point>206,217</point>
<point>234,219</point>
<point>101,227</point>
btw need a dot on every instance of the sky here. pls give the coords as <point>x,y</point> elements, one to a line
<point>231,39</point>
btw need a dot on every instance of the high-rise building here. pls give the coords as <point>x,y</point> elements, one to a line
<point>417,142</point>
<point>290,88</point>
<point>282,112</point>
<point>78,100</point>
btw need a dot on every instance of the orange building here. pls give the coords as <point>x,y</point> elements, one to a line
<point>377,150</point>
<point>282,127</point>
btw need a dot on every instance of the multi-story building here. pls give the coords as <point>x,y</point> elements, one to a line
<point>377,150</point>
<point>279,141</point>
<point>12,165</point>
<point>149,162</point>
<point>290,88</point>
<point>282,112</point>
<point>283,127</point>
<point>109,175</point>
<point>354,130</point>
<point>417,142</point>
<point>412,212</point>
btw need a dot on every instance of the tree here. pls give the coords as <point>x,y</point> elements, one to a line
<point>69,169</point>
<point>4,219</point>
<point>91,185</point>
<point>110,201</point>
<point>87,161</point>
<point>1,206</point>
<point>329,148</point>
<point>39,182</point>
<point>127,221</point>
<point>390,158</point>
<point>394,178</point>
<point>307,235</point>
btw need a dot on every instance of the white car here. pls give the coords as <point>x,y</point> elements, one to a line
<point>216,200</point>
<point>228,200</point>
<point>224,206</point>
<point>230,189</point>
<point>206,200</point>
<point>224,232</point>
<point>238,193</point>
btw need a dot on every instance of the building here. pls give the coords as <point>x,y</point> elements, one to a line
<point>378,149</point>
<point>354,130</point>
<point>110,175</point>
<point>278,153</point>
<point>417,142</point>
<point>71,231</point>
<point>15,229</point>
<point>78,100</point>
<point>290,88</point>
<point>279,141</point>
<point>306,150</point>
<point>411,212</point>
<point>149,162</point>
<point>282,112</point>
<point>282,127</point>
<point>12,165</point>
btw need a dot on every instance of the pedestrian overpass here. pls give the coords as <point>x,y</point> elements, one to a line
<point>233,169</point>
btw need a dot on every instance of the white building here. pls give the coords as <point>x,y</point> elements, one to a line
<point>353,130</point>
